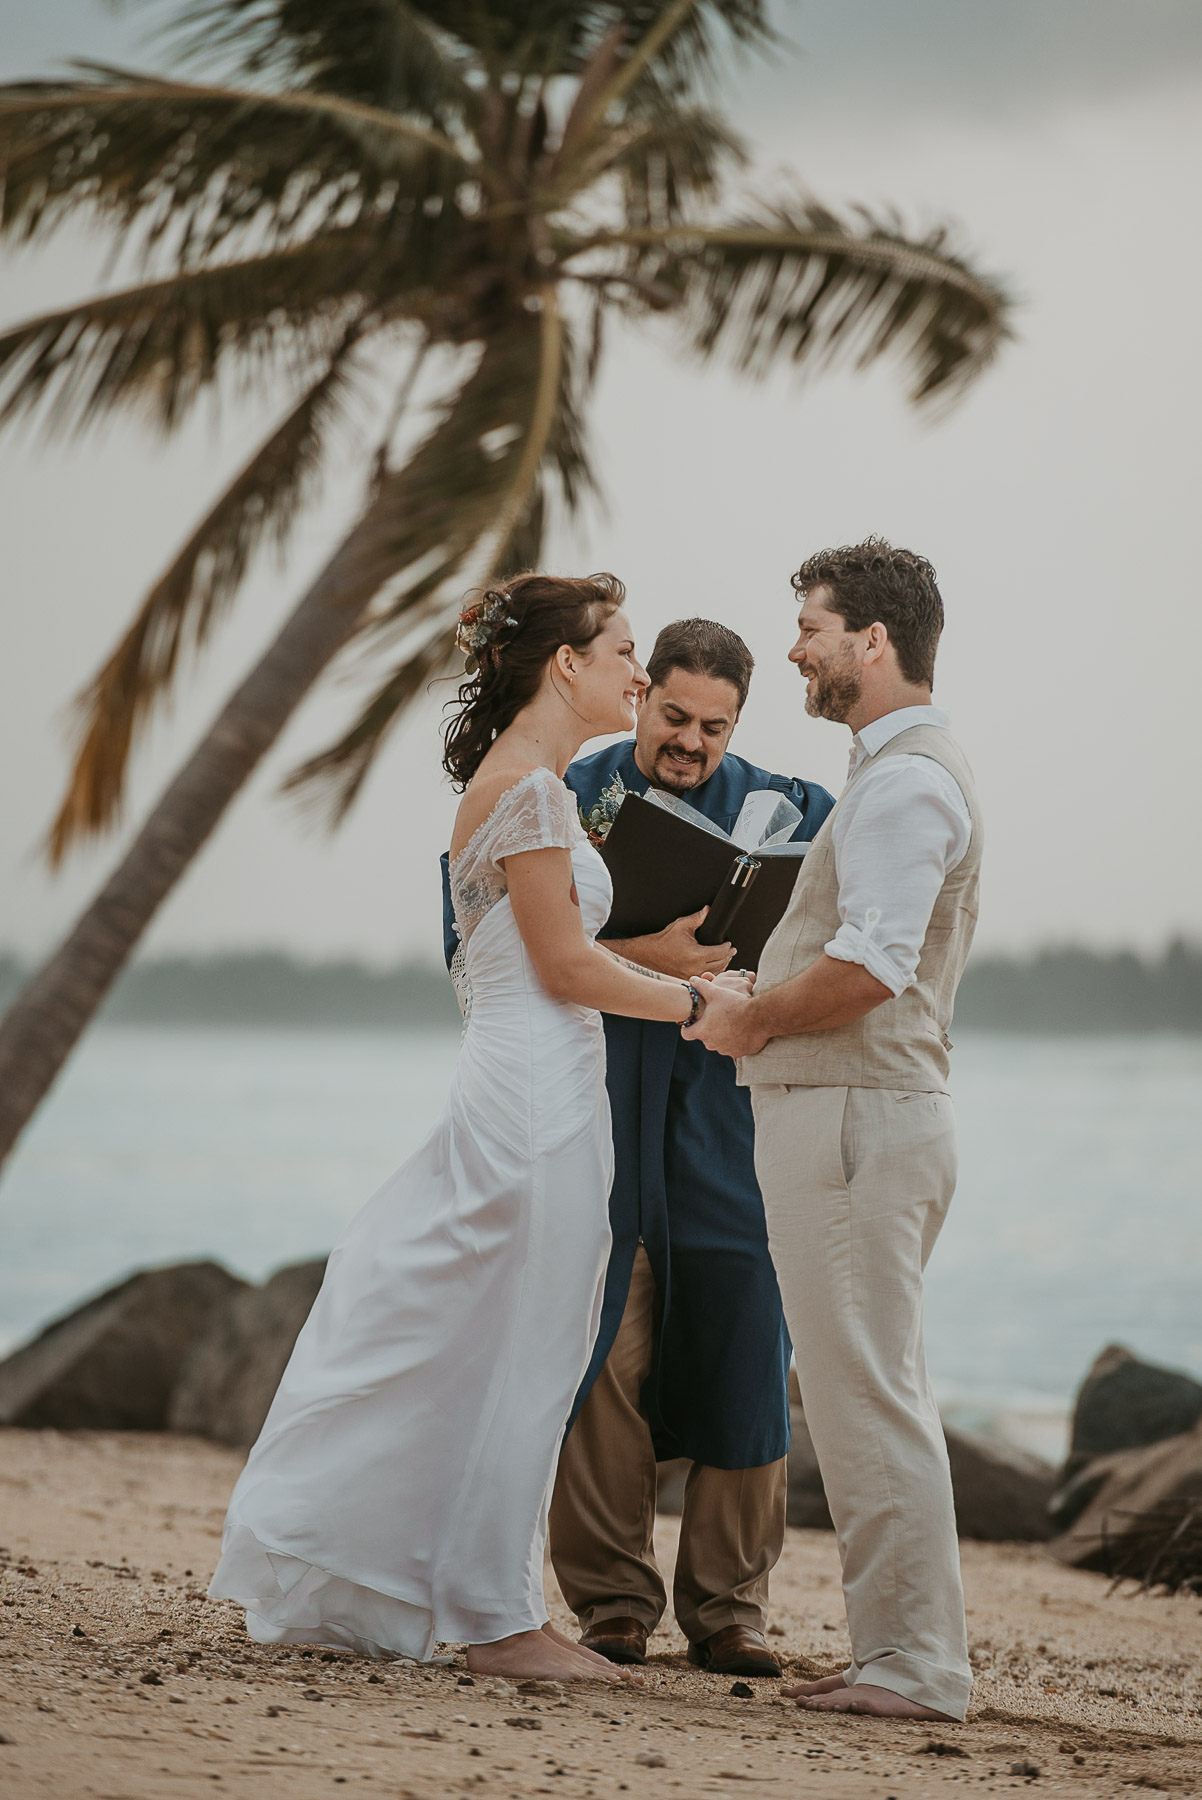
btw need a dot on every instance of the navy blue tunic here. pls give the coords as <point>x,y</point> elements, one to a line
<point>684,1183</point>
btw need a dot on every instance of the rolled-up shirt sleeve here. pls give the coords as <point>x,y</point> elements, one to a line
<point>902,829</point>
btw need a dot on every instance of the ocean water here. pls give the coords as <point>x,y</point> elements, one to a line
<point>1077,1221</point>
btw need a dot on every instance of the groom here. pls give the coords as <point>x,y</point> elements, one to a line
<point>692,1357</point>
<point>844,1045</point>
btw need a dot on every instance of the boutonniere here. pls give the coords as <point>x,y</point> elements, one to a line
<point>604,810</point>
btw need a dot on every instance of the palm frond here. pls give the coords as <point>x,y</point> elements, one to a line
<point>668,163</point>
<point>307,40</point>
<point>158,345</point>
<point>476,486</point>
<point>338,773</point>
<point>595,77</point>
<point>384,53</point>
<point>207,162</point>
<point>797,283</point>
<point>181,609</point>
<point>650,63</point>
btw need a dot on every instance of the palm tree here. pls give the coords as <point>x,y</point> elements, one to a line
<point>476,183</point>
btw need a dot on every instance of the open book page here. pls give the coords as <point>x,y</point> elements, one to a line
<point>674,804</point>
<point>765,819</point>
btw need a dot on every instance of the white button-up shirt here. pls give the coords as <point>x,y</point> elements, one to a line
<point>896,836</point>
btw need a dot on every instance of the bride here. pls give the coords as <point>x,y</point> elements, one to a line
<point>397,1495</point>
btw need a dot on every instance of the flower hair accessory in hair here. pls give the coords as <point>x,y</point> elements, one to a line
<point>480,625</point>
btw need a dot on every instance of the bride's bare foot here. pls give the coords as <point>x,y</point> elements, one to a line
<point>803,1690</point>
<point>878,1702</point>
<point>536,1656</point>
<point>589,1656</point>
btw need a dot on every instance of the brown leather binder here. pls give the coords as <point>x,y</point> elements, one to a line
<point>663,868</point>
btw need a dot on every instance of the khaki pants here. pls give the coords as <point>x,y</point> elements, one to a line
<point>856,1185</point>
<point>603,1510</point>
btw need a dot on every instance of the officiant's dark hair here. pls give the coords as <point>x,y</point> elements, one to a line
<point>532,617</point>
<point>702,647</point>
<point>874,581</point>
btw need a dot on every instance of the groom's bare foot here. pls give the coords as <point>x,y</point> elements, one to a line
<point>591,1657</point>
<point>535,1656</point>
<point>877,1702</point>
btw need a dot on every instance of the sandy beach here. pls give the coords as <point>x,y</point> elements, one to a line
<point>120,1680</point>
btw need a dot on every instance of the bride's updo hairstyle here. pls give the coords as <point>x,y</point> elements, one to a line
<point>511,633</point>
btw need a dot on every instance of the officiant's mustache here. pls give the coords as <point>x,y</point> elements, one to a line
<point>678,759</point>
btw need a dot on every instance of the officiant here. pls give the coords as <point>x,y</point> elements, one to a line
<point>692,1358</point>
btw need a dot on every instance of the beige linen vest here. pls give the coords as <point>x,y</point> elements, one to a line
<point>902,1043</point>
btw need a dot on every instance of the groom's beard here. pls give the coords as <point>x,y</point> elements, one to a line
<point>834,691</point>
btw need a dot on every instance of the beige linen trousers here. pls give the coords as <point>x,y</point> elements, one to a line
<point>856,1183</point>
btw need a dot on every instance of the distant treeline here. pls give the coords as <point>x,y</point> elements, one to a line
<point>1083,990</point>
<point>1065,990</point>
<point>269,989</point>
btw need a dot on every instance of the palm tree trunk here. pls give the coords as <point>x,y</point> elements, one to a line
<point>46,1021</point>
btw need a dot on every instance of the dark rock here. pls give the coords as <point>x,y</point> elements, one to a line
<point>1136,1499</point>
<point>1001,1492</point>
<point>229,1380</point>
<point>806,1505</point>
<point>111,1365</point>
<point>741,1691</point>
<point>1123,1404</point>
<point>1073,1495</point>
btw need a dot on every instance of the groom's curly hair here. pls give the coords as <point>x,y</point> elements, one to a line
<point>875,582</point>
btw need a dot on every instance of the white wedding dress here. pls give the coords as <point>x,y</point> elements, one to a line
<point>397,1495</point>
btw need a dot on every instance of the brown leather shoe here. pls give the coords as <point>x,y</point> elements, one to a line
<point>622,1640</point>
<point>736,1651</point>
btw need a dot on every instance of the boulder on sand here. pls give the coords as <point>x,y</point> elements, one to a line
<point>1001,1493</point>
<point>1123,1404</point>
<point>1142,1514</point>
<point>806,1505</point>
<point>111,1365</point>
<point>227,1383</point>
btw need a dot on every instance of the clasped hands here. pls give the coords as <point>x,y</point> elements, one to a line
<point>727,1021</point>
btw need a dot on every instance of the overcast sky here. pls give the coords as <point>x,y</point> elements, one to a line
<point>1058,502</point>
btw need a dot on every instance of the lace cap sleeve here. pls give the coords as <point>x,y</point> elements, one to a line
<point>537,813</point>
